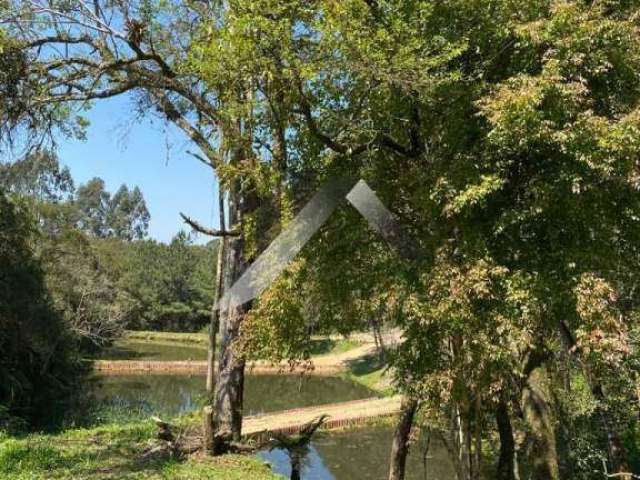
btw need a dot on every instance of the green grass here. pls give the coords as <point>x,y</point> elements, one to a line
<point>114,452</point>
<point>168,337</point>
<point>326,346</point>
<point>369,371</point>
<point>128,348</point>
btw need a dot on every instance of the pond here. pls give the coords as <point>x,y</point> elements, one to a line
<point>363,453</point>
<point>352,454</point>
<point>141,350</point>
<point>170,395</point>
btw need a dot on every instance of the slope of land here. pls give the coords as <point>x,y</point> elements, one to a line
<point>115,452</point>
<point>338,415</point>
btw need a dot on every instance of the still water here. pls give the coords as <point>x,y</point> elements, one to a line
<point>350,455</point>
<point>171,395</point>
<point>363,454</point>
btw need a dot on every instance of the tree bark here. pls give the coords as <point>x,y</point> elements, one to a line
<point>400,445</point>
<point>207,429</point>
<point>507,466</point>
<point>477,434</point>
<point>214,325</point>
<point>537,414</point>
<point>462,441</point>
<point>229,388</point>
<point>296,467</point>
<point>208,417</point>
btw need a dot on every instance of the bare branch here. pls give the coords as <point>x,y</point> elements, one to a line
<point>200,158</point>
<point>60,39</point>
<point>89,95</point>
<point>198,227</point>
<point>193,132</point>
<point>56,13</point>
<point>381,139</point>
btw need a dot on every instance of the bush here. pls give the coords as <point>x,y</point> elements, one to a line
<point>39,362</point>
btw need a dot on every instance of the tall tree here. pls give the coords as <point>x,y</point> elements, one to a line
<point>66,54</point>
<point>128,217</point>
<point>38,175</point>
<point>93,201</point>
<point>81,293</point>
<point>123,215</point>
<point>502,134</point>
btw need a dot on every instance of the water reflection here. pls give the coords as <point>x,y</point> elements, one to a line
<point>171,395</point>
<point>362,453</point>
<point>356,454</point>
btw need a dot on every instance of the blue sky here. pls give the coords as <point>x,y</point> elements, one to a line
<point>149,154</point>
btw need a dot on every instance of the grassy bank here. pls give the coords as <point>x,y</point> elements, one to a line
<point>199,339</point>
<point>369,371</point>
<point>114,452</point>
<point>319,346</point>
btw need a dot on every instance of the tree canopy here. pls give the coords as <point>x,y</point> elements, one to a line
<point>504,136</point>
<point>123,215</point>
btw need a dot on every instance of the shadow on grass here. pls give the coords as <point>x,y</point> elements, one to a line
<point>122,353</point>
<point>365,365</point>
<point>322,346</point>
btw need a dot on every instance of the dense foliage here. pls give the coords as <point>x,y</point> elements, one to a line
<point>162,286</point>
<point>39,361</point>
<point>504,135</point>
<point>72,279</point>
<point>102,275</point>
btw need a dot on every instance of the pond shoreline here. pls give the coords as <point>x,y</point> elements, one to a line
<point>326,364</point>
<point>340,415</point>
<point>115,367</point>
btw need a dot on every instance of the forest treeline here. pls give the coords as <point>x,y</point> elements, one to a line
<point>77,269</point>
<point>102,270</point>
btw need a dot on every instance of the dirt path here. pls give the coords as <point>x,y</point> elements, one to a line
<point>340,414</point>
<point>321,365</point>
<point>340,360</point>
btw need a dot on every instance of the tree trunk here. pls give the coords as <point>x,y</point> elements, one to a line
<point>296,467</point>
<point>537,414</point>
<point>228,398</point>
<point>463,437</point>
<point>507,467</point>
<point>207,429</point>
<point>229,385</point>
<point>400,445</point>
<point>214,325</point>
<point>376,329</point>
<point>477,434</point>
